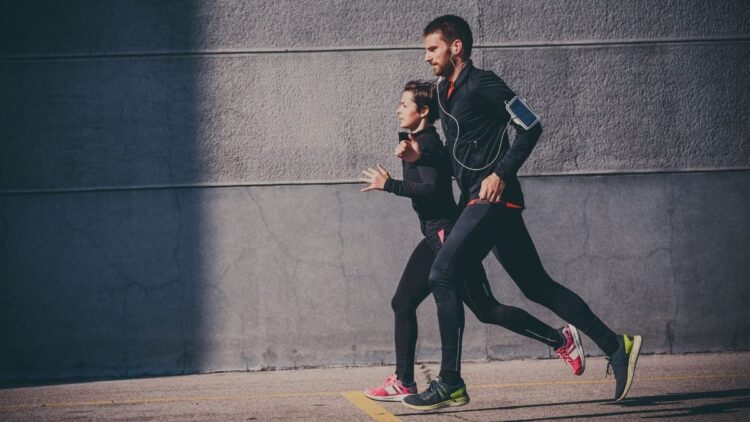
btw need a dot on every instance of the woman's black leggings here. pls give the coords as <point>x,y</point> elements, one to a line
<point>479,229</point>
<point>414,288</point>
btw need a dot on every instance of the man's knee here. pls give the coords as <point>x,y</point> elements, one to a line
<point>439,278</point>
<point>440,282</point>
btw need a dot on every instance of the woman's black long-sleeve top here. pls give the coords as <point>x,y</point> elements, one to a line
<point>427,182</point>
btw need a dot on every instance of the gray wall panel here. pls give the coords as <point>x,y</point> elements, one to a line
<point>633,107</point>
<point>323,116</point>
<point>114,27</point>
<point>173,281</point>
<point>520,21</point>
<point>210,120</point>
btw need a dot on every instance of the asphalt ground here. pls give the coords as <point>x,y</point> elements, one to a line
<point>693,387</point>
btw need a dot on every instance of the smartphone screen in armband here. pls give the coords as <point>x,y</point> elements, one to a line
<point>522,113</point>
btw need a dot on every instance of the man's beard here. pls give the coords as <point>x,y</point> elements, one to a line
<point>445,70</point>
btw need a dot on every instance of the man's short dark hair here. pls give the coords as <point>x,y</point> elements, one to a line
<point>424,96</point>
<point>452,28</point>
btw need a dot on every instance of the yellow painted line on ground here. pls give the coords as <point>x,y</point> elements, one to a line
<point>370,407</point>
<point>171,399</point>
<point>355,397</point>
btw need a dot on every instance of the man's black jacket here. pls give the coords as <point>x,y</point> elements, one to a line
<point>478,103</point>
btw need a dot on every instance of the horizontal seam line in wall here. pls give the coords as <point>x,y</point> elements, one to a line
<point>503,46</point>
<point>8,192</point>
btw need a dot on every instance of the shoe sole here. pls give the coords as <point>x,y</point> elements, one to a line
<point>579,346</point>
<point>632,361</point>
<point>396,398</point>
<point>448,403</point>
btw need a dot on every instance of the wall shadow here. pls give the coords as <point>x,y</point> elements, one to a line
<point>101,258</point>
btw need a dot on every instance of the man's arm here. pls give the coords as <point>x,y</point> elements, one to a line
<point>495,93</point>
<point>520,150</point>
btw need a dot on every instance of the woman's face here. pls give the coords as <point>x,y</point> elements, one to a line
<point>408,117</point>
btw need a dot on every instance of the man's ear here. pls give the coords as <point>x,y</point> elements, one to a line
<point>457,47</point>
<point>424,112</point>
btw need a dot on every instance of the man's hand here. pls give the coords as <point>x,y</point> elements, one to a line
<point>408,150</point>
<point>375,178</point>
<point>492,188</point>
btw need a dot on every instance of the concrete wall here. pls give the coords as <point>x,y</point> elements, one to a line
<point>175,177</point>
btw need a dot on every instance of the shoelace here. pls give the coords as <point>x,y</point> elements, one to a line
<point>390,380</point>
<point>433,388</point>
<point>563,351</point>
<point>611,368</point>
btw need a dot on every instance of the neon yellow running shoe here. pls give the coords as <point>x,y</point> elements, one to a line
<point>622,364</point>
<point>437,395</point>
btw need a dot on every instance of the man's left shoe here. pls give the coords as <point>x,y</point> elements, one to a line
<point>572,351</point>
<point>623,362</point>
<point>437,395</point>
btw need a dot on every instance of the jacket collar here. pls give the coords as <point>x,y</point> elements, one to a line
<point>459,81</point>
<point>463,74</point>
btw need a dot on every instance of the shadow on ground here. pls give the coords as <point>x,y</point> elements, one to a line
<point>669,406</point>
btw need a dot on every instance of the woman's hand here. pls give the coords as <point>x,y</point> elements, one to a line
<point>375,178</point>
<point>408,150</point>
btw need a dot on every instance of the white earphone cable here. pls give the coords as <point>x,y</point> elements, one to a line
<point>458,130</point>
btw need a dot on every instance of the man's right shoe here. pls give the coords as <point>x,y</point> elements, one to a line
<point>437,395</point>
<point>622,364</point>
<point>572,351</point>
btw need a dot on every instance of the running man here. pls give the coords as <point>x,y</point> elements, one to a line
<point>428,183</point>
<point>474,118</point>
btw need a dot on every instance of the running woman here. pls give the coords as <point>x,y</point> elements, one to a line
<point>474,118</point>
<point>427,182</point>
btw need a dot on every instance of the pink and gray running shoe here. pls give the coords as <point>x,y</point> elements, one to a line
<point>572,351</point>
<point>391,390</point>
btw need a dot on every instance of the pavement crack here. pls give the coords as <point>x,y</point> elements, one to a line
<point>342,250</point>
<point>282,246</point>
<point>675,285</point>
